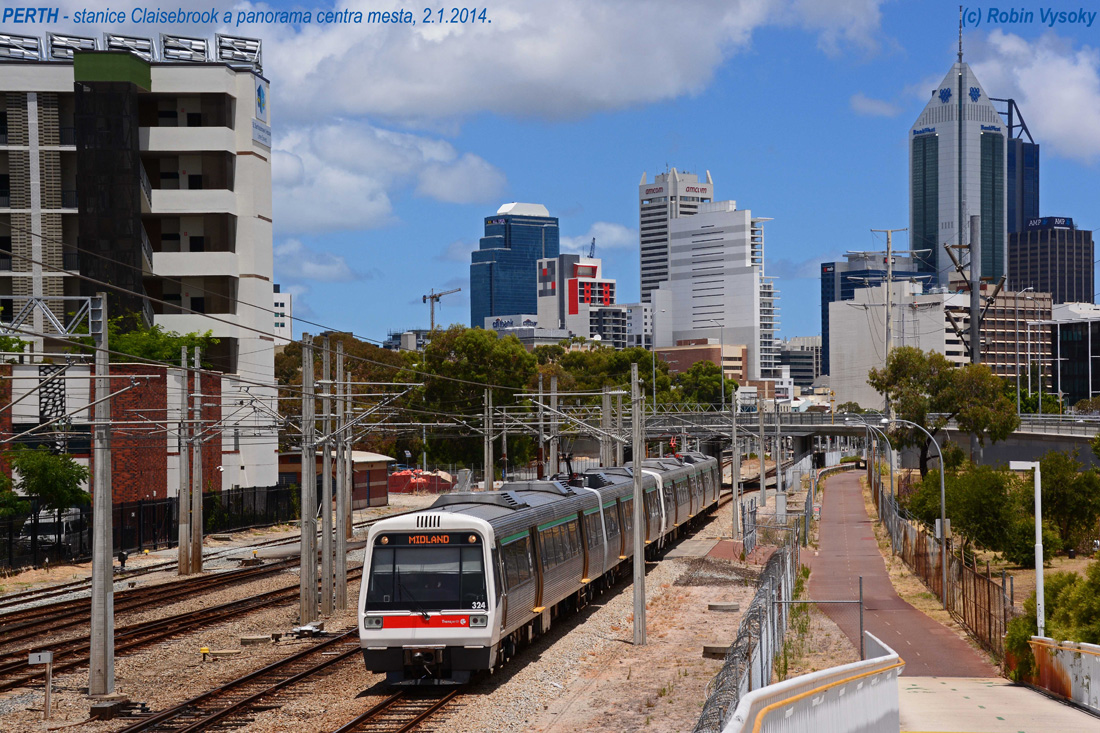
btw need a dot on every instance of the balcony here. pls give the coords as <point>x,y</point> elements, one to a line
<point>146,190</point>
<point>67,135</point>
<point>68,199</point>
<point>70,261</point>
<point>147,251</point>
<point>5,263</point>
<point>186,139</point>
<point>147,312</point>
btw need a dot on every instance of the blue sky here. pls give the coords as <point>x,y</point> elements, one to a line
<point>393,142</point>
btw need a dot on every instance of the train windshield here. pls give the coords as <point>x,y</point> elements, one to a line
<point>424,579</point>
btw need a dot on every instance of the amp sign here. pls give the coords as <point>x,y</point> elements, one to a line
<point>1051,222</point>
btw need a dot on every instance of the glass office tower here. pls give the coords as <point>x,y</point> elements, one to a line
<point>503,268</point>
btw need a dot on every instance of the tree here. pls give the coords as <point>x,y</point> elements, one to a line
<point>11,504</point>
<point>850,407</point>
<point>702,384</point>
<point>453,369</point>
<point>1071,496</point>
<point>54,480</point>
<point>131,342</point>
<point>929,390</point>
<point>982,501</point>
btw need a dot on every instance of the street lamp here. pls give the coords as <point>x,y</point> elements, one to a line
<point>1040,613</point>
<point>721,357</point>
<point>943,505</point>
<point>1017,309</point>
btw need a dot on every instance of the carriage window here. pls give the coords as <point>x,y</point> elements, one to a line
<point>595,531</point>
<point>628,514</point>
<point>611,519</point>
<point>517,562</point>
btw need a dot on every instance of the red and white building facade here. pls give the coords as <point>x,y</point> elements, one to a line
<point>574,295</point>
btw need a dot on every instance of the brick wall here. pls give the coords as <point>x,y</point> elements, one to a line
<point>139,450</point>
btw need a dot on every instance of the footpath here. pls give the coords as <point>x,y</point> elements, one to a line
<point>947,685</point>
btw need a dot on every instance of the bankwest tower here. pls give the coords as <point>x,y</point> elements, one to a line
<point>943,153</point>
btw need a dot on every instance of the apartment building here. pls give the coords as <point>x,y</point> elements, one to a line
<point>143,170</point>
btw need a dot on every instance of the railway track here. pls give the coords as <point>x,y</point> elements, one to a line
<point>398,713</point>
<point>32,623</point>
<point>235,703</point>
<point>15,672</point>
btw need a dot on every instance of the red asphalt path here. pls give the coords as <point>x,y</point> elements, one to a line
<point>847,551</point>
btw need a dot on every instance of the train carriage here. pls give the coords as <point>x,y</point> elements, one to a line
<point>458,587</point>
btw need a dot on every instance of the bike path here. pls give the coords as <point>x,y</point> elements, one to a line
<point>848,550</point>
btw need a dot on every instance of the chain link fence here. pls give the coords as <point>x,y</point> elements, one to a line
<point>749,661</point>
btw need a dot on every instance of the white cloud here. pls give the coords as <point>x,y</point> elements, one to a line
<point>1056,85</point>
<point>608,236</point>
<point>341,175</point>
<point>294,260</point>
<point>560,60</point>
<point>457,251</point>
<point>807,269</point>
<point>864,105</point>
<point>468,180</point>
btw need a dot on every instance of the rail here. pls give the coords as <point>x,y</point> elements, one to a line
<point>1069,669</point>
<point>861,696</point>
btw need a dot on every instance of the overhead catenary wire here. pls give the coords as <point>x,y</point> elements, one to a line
<point>261,332</point>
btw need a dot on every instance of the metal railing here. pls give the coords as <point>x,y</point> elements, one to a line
<point>1069,669</point>
<point>69,199</point>
<point>147,312</point>
<point>861,696</point>
<point>146,186</point>
<point>67,135</point>
<point>70,260</point>
<point>146,247</point>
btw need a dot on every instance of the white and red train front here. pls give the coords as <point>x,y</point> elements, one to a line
<point>427,609</point>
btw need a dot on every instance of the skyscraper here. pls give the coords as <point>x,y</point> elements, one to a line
<point>670,196</point>
<point>1051,255</point>
<point>716,286</point>
<point>503,268</point>
<point>1022,169</point>
<point>939,145</point>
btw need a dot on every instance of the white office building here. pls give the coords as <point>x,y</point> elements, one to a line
<point>717,287</point>
<point>283,306</point>
<point>670,196</point>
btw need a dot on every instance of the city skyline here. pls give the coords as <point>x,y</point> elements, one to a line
<point>383,180</point>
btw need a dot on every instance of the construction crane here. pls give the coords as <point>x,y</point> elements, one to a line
<point>433,298</point>
<point>592,249</point>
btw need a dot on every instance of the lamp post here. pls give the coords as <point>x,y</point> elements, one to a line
<point>1017,324</point>
<point>943,505</point>
<point>721,358</point>
<point>1040,611</point>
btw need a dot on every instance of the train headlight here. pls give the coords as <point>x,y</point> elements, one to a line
<point>479,621</point>
<point>372,622</point>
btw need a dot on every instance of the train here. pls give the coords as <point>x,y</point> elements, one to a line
<point>459,587</point>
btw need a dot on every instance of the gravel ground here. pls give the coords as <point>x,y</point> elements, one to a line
<point>173,671</point>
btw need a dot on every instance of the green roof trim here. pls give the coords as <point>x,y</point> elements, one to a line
<point>514,537</point>
<point>548,525</point>
<point>112,66</point>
